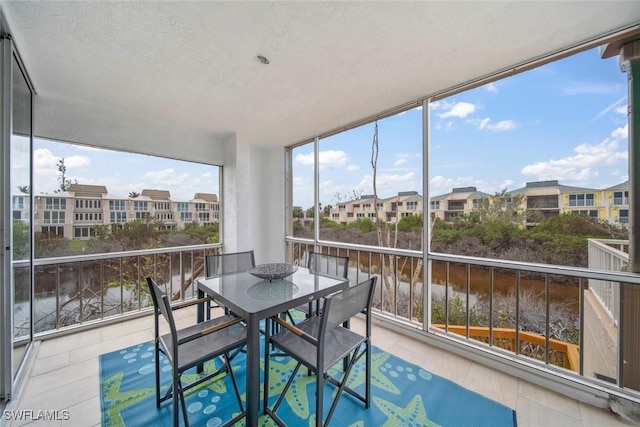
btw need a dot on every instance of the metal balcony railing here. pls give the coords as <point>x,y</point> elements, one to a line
<point>610,255</point>
<point>75,290</point>
<point>533,313</point>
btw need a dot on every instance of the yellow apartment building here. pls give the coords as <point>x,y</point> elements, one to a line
<point>540,200</point>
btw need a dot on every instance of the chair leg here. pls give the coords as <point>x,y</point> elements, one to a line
<point>233,380</point>
<point>367,392</point>
<point>286,387</point>
<point>353,359</point>
<point>319,398</point>
<point>184,406</point>
<point>157,363</point>
<point>174,400</point>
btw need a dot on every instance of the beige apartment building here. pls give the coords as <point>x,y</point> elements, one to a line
<point>74,214</point>
<point>390,209</point>
<point>540,200</point>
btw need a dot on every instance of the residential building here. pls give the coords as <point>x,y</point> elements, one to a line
<point>75,213</point>
<point>615,202</point>
<point>459,201</point>
<point>539,200</point>
<point>390,209</point>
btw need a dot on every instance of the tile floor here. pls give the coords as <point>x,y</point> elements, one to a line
<point>65,376</point>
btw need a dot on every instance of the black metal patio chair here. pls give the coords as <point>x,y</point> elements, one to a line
<point>192,346</point>
<point>219,264</point>
<point>320,342</point>
<point>332,265</point>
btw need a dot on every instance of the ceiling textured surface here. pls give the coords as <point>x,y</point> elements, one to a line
<point>194,63</point>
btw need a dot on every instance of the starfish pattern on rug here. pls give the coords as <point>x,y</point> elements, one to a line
<point>414,414</point>
<point>122,399</point>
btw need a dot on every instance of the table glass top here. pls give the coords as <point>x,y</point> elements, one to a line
<point>251,294</point>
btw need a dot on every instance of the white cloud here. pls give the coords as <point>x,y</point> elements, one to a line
<point>327,159</point>
<point>498,127</point>
<point>442,185</point>
<point>390,184</point>
<point>45,170</point>
<point>447,126</point>
<point>402,159</point>
<point>502,125</point>
<point>76,161</point>
<point>491,87</point>
<point>353,168</point>
<point>481,123</point>
<point>623,109</point>
<point>206,175</point>
<point>578,168</point>
<point>507,183</point>
<point>461,110</point>
<point>621,133</point>
<point>166,177</point>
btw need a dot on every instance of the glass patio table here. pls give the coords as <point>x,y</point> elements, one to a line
<point>255,299</point>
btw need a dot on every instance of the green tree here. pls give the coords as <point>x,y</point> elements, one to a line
<point>63,182</point>
<point>133,194</point>
<point>501,207</point>
<point>364,225</point>
<point>137,234</point>
<point>310,212</point>
<point>25,189</point>
<point>21,240</point>
<point>298,212</point>
<point>410,223</point>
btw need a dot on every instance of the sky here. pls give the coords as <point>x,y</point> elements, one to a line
<point>564,121</point>
<point>120,172</point>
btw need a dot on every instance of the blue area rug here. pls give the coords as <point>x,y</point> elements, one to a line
<point>403,395</point>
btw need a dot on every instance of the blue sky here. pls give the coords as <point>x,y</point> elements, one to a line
<point>120,172</point>
<point>566,120</point>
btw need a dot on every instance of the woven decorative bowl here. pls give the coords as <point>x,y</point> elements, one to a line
<point>274,271</point>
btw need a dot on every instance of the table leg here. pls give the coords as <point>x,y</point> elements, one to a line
<point>200,318</point>
<point>253,371</point>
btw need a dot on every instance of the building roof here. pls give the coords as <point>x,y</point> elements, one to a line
<point>156,194</point>
<point>462,193</point>
<point>88,190</point>
<point>621,186</point>
<point>207,197</point>
<point>549,187</point>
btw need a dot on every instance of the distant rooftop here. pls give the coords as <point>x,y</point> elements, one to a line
<point>207,197</point>
<point>542,184</point>
<point>464,190</point>
<point>87,190</point>
<point>156,194</point>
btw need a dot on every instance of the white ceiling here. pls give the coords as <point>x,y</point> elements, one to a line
<point>194,63</point>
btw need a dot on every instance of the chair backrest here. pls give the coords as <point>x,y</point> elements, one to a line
<point>161,305</point>
<point>216,265</point>
<point>343,305</point>
<point>328,264</point>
